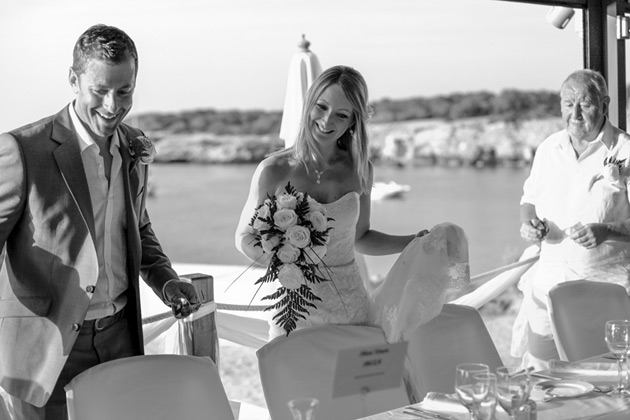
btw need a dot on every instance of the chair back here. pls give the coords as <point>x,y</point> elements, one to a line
<point>303,365</point>
<point>150,387</point>
<point>579,310</point>
<point>457,335</point>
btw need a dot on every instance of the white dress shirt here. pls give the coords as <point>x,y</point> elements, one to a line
<point>108,206</point>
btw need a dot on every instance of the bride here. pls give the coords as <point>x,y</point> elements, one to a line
<point>329,161</point>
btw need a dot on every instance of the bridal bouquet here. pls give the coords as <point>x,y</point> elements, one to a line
<point>293,227</point>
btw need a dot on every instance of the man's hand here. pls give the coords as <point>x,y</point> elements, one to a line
<point>534,230</point>
<point>591,235</point>
<point>182,297</point>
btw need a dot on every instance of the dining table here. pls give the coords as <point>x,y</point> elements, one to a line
<point>587,384</point>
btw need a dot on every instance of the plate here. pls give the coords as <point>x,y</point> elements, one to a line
<point>565,388</point>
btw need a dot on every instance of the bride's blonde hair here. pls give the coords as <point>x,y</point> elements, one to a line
<point>355,140</point>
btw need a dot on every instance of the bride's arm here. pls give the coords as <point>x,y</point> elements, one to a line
<point>244,237</point>
<point>372,242</point>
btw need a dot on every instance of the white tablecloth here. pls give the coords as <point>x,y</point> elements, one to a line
<point>590,406</point>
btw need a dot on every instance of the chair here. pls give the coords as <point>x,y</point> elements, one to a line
<point>303,365</point>
<point>579,310</point>
<point>457,335</point>
<point>150,387</point>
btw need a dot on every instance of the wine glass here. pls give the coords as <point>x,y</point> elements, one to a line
<point>484,396</point>
<point>303,408</point>
<point>464,374</point>
<point>512,390</point>
<point>618,342</point>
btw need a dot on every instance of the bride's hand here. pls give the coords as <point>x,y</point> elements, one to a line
<point>422,233</point>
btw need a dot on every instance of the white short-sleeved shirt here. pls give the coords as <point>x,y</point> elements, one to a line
<point>568,191</point>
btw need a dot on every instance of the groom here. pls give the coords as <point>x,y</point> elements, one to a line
<point>75,234</point>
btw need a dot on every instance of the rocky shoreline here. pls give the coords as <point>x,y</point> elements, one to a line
<point>479,142</point>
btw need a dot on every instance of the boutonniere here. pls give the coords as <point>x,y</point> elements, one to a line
<point>612,171</point>
<point>142,149</point>
<point>613,168</point>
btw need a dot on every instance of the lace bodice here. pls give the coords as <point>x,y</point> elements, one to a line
<point>345,212</point>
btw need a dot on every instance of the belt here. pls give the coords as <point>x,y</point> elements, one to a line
<point>99,324</point>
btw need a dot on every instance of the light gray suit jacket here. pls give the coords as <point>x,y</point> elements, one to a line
<point>49,257</point>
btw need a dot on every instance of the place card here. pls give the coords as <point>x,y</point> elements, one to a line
<point>365,369</point>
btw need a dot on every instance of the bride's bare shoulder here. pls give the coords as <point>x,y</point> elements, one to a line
<point>276,168</point>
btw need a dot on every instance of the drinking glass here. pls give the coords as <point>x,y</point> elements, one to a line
<point>618,342</point>
<point>484,396</point>
<point>464,374</point>
<point>303,408</point>
<point>512,390</point>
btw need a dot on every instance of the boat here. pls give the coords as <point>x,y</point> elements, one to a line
<point>392,189</point>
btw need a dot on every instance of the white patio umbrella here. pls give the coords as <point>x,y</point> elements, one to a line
<point>303,69</point>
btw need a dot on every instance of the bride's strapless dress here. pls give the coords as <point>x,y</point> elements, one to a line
<point>413,291</point>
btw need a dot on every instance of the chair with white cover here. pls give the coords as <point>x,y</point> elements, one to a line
<point>149,387</point>
<point>303,365</point>
<point>457,335</point>
<point>579,310</point>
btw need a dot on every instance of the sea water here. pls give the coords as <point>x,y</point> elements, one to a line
<point>195,209</point>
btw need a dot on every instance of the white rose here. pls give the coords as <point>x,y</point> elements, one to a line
<point>314,254</point>
<point>286,201</point>
<point>262,213</point>
<point>260,225</point>
<point>298,236</point>
<point>269,242</point>
<point>319,221</point>
<point>285,218</point>
<point>611,172</point>
<point>288,253</point>
<point>290,276</point>
<point>314,205</point>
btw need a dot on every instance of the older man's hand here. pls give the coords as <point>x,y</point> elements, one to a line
<point>534,230</point>
<point>182,296</point>
<point>590,235</point>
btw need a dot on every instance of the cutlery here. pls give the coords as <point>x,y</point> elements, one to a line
<point>522,371</point>
<point>543,376</point>
<point>431,414</point>
<point>416,414</point>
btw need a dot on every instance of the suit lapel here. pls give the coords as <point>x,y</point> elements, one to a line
<point>130,181</point>
<point>68,157</point>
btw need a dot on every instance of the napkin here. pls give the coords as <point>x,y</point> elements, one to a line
<point>447,405</point>
<point>583,368</point>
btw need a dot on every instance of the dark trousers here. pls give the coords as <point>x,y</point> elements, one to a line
<point>98,342</point>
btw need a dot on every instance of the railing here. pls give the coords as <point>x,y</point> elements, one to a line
<point>199,334</point>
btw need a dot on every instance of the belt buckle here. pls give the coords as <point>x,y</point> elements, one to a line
<point>97,324</point>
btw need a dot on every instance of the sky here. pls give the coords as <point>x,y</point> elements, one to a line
<point>235,54</point>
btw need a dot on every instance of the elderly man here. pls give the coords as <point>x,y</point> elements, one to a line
<point>575,203</point>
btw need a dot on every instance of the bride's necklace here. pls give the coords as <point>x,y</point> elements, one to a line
<point>319,175</point>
